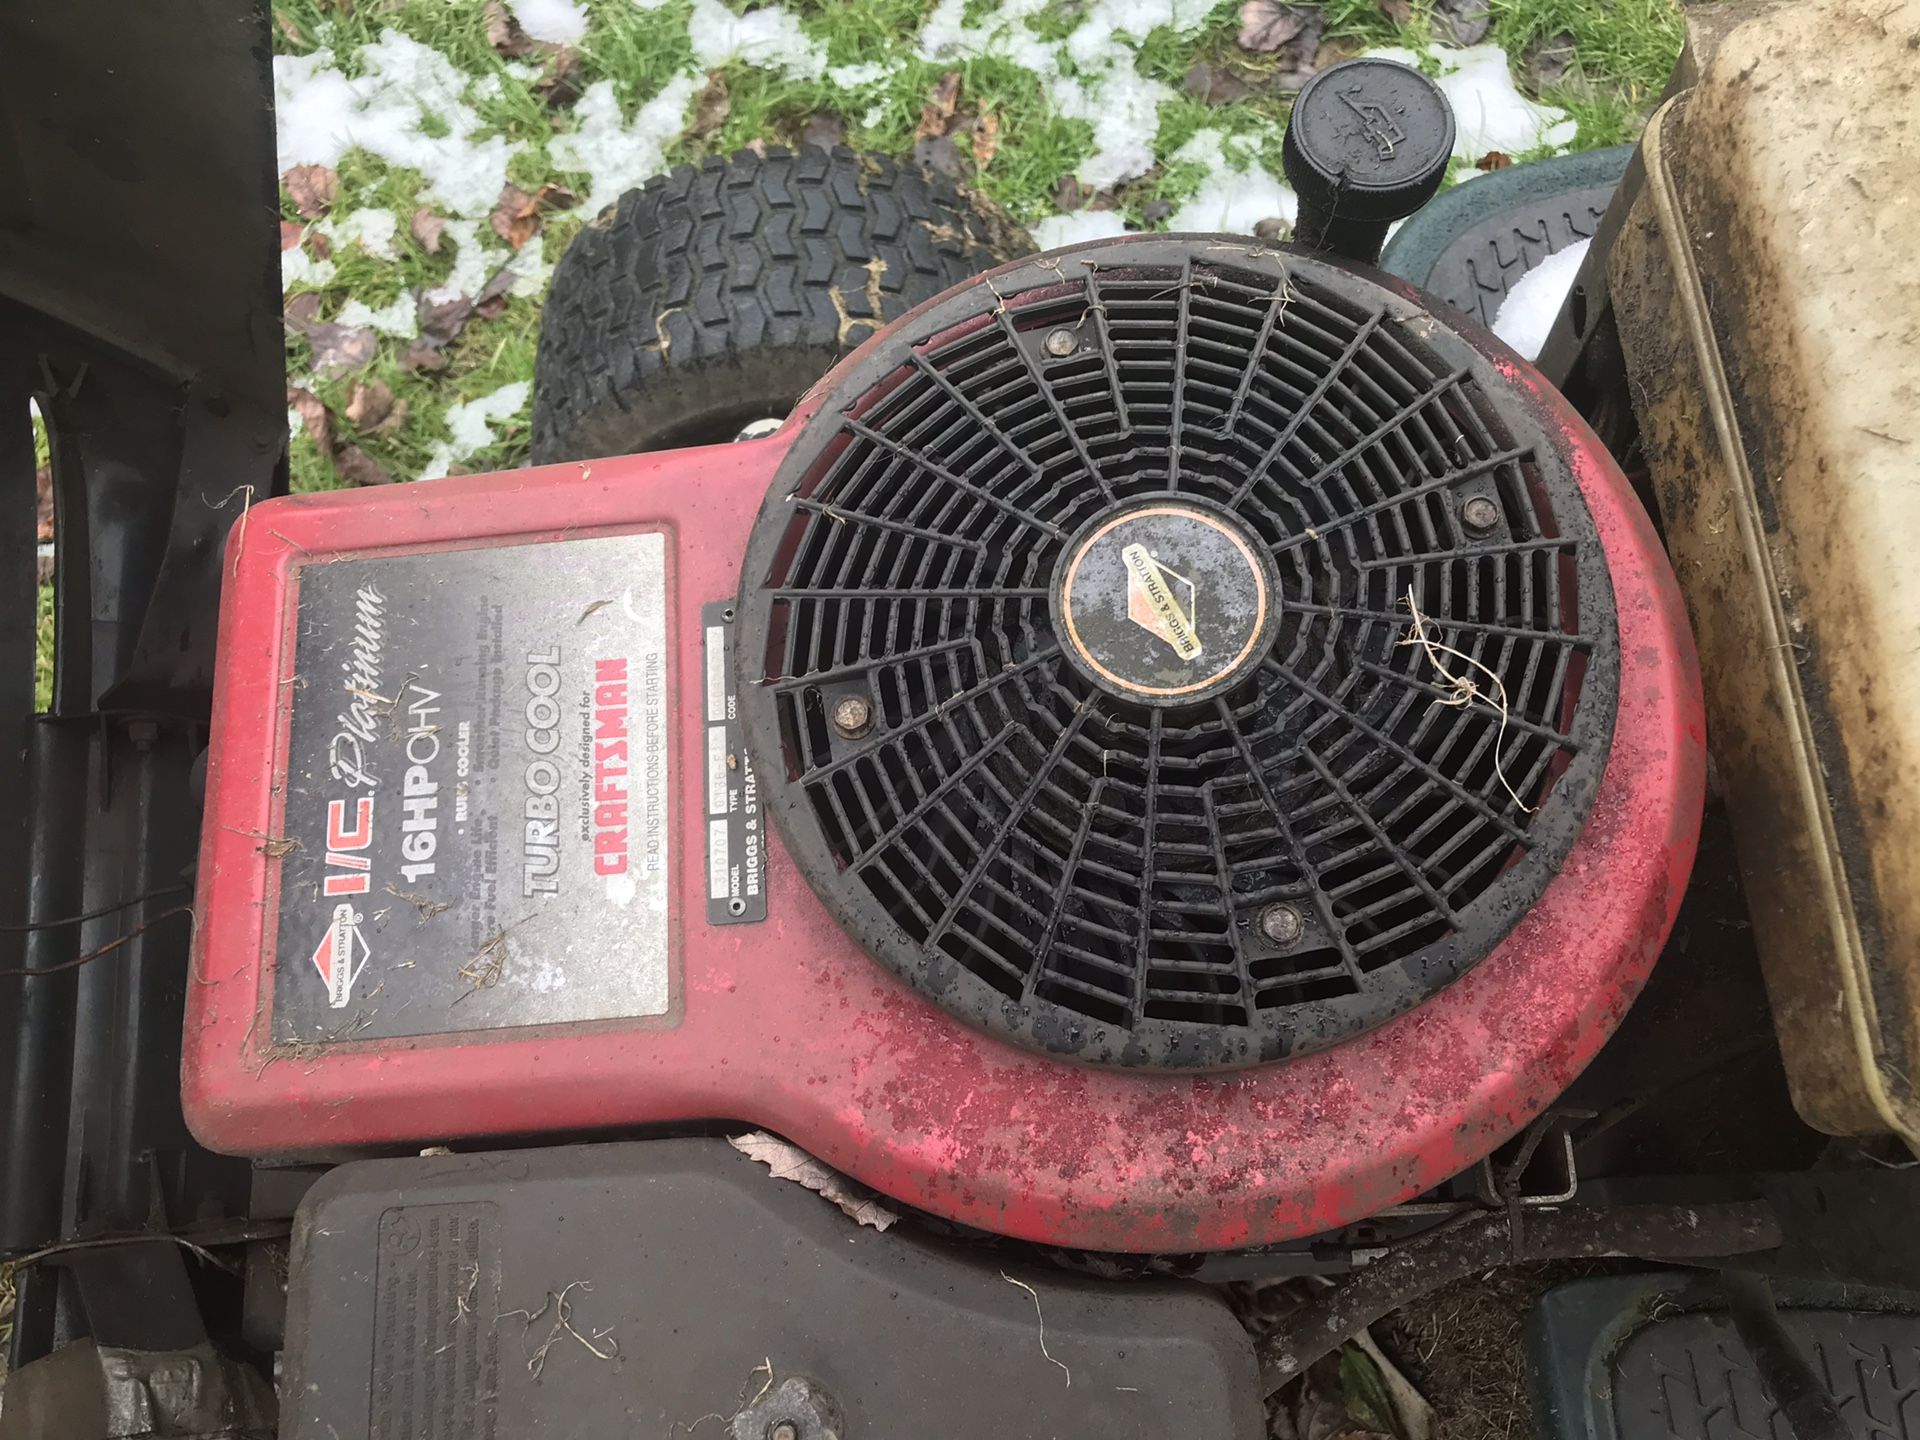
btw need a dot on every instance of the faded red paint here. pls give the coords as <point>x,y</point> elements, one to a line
<point>788,1026</point>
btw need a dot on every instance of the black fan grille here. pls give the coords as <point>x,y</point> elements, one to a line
<point>1092,874</point>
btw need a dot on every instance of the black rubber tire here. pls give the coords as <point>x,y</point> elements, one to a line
<point>715,295</point>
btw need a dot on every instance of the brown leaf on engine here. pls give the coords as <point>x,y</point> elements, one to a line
<point>506,37</point>
<point>315,418</point>
<point>1266,25</point>
<point>369,405</point>
<point>357,467</point>
<point>986,139</point>
<point>559,83</point>
<point>426,229</point>
<point>936,116</point>
<point>312,188</point>
<point>710,111</point>
<point>1493,160</point>
<point>1400,12</point>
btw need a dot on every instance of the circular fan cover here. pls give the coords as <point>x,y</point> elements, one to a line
<point>1176,653</point>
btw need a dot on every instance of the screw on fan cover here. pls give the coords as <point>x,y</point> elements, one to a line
<point>1167,635</point>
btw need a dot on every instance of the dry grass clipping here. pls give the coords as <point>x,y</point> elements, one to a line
<point>562,1307</point>
<point>1463,692</point>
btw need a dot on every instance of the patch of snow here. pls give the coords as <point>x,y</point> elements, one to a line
<point>299,268</point>
<point>557,21</point>
<point>471,428</point>
<point>1057,230</point>
<point>473,263</point>
<point>1531,307</point>
<point>852,77</point>
<point>768,38</point>
<point>649,4</point>
<point>620,156</point>
<point>372,230</point>
<point>1489,113</point>
<point>1237,194</point>
<point>401,319</point>
<point>1089,76</point>
<point>294,423</point>
<point>321,114</point>
<point>468,423</point>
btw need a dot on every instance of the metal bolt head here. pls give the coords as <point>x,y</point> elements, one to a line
<point>1062,342</point>
<point>1281,925</point>
<point>853,716</point>
<point>1480,515</point>
<point>785,1430</point>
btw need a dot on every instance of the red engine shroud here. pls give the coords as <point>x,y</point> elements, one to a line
<point>787,1025</point>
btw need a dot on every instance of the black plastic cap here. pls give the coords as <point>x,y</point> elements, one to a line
<point>1368,144</point>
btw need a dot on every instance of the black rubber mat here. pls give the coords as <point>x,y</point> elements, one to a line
<point>1472,244</point>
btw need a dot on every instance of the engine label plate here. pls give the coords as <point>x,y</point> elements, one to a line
<point>736,829</point>
<point>476,829</point>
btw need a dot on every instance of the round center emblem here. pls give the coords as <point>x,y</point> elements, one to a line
<point>1165,601</point>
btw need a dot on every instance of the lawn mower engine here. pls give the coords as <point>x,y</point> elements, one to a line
<point>1174,746</point>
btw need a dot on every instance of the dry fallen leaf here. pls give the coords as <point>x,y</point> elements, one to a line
<point>426,228</point>
<point>338,349</point>
<point>824,129</point>
<point>292,31</point>
<point>936,116</point>
<point>441,324</point>
<point>302,310</point>
<point>369,404</point>
<point>1493,160</point>
<point>514,217</point>
<point>505,35</point>
<point>1462,22</point>
<point>291,233</point>
<point>1215,84</point>
<point>1546,61</point>
<point>491,302</point>
<point>789,1162</point>
<point>1266,25</point>
<point>311,188</point>
<point>43,503</point>
<point>423,356</point>
<point>559,83</point>
<point>710,111</point>
<point>986,139</point>
<point>315,418</point>
<point>1400,12</point>
<point>941,154</point>
<point>359,468</point>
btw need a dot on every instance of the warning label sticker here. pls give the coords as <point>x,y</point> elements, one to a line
<point>477,832</point>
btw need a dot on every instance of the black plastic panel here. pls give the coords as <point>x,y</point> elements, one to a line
<point>425,1292</point>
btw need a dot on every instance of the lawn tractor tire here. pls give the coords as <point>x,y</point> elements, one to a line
<point>714,295</point>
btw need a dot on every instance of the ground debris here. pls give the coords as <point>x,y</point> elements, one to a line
<point>561,1306</point>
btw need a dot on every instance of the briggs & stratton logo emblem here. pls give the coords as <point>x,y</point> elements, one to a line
<point>1161,601</point>
<point>341,955</point>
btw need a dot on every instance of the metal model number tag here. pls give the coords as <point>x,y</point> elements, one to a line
<point>477,830</point>
<point>736,828</point>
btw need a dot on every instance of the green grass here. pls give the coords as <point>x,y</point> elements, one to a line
<point>1624,49</point>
